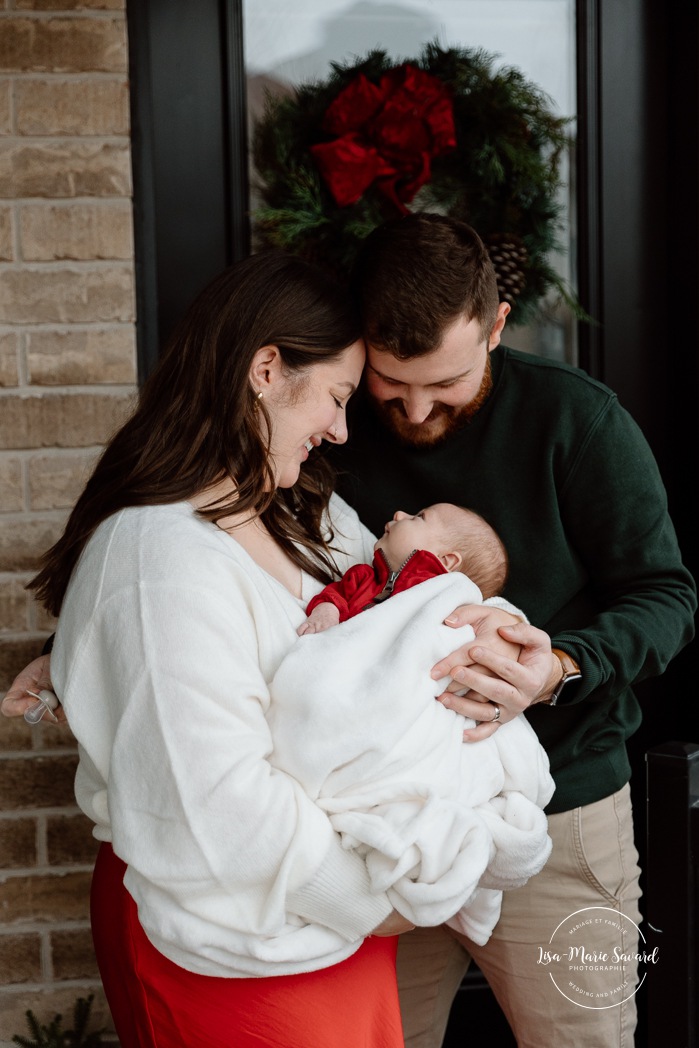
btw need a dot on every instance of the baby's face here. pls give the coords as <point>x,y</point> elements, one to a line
<point>406,532</point>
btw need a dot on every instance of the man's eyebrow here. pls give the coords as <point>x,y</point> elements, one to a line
<point>441,382</point>
<point>370,367</point>
<point>452,378</point>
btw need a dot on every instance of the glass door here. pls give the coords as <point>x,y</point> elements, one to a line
<point>285,47</point>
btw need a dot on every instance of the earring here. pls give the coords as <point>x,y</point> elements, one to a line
<point>258,398</point>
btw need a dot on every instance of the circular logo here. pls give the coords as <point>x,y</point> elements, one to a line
<point>596,957</point>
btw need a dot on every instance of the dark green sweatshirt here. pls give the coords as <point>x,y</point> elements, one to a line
<point>567,479</point>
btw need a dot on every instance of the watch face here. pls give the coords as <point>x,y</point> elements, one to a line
<point>570,672</point>
<point>567,678</point>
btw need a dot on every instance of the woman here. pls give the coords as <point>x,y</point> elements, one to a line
<point>225,910</point>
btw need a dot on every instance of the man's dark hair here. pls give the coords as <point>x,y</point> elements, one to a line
<point>415,276</point>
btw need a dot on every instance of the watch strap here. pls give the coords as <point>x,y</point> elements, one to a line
<point>570,671</point>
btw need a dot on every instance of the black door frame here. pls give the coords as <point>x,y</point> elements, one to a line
<point>189,144</point>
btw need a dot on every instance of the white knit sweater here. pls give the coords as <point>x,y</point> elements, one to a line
<point>168,638</point>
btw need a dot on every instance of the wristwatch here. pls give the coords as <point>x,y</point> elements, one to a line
<point>570,671</point>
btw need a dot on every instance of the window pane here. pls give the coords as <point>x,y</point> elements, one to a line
<point>284,47</point>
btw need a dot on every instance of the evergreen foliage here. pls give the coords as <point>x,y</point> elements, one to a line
<point>54,1036</point>
<point>502,178</point>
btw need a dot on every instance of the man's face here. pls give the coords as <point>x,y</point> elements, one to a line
<point>425,399</point>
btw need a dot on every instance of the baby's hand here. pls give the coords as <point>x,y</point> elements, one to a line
<point>321,618</point>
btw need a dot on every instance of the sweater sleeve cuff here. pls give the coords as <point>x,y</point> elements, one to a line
<point>504,605</point>
<point>590,667</point>
<point>329,598</point>
<point>339,896</point>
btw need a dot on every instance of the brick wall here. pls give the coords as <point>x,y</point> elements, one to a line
<point>67,374</point>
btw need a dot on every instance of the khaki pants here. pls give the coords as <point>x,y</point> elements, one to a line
<point>594,863</point>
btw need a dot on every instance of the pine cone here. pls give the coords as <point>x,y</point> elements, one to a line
<point>509,257</point>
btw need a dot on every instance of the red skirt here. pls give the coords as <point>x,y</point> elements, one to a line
<point>157,1004</point>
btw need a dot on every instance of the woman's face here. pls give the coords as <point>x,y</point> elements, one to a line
<point>308,408</point>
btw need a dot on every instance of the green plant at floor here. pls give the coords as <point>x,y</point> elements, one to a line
<point>54,1036</point>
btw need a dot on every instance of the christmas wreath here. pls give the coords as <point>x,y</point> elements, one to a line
<point>443,132</point>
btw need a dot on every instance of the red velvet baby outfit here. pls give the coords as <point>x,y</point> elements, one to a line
<point>365,584</point>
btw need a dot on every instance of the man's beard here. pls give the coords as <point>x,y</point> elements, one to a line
<point>442,421</point>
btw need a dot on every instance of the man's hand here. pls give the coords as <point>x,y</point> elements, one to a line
<point>321,618</point>
<point>34,677</point>
<point>510,666</point>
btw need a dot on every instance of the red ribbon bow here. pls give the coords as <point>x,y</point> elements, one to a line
<point>387,133</point>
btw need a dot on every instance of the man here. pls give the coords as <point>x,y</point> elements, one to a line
<point>547,455</point>
<point>552,461</point>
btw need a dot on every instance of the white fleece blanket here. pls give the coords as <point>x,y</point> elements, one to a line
<point>444,826</point>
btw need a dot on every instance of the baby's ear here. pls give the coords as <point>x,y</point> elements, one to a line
<point>451,561</point>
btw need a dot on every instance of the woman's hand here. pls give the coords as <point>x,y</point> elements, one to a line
<point>394,924</point>
<point>510,666</point>
<point>34,677</point>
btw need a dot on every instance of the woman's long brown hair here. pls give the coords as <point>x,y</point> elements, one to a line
<point>198,421</point>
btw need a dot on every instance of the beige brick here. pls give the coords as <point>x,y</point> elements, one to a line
<point>20,959</point>
<point>73,955</point>
<point>74,231</point>
<point>55,481</point>
<point>70,841</point>
<point>45,1004</point>
<point>48,897</point>
<point>11,485</point>
<point>66,295</point>
<point>37,782</point>
<point>70,5</point>
<point>7,251</point>
<point>15,735</point>
<point>72,107</point>
<point>17,844</point>
<point>23,541</point>
<point>63,45</point>
<point>43,621</point>
<point>64,169</point>
<point>62,420</point>
<point>14,604</point>
<point>15,654</point>
<point>82,357</point>
<point>5,108</point>
<point>51,736</point>
<point>9,366</point>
